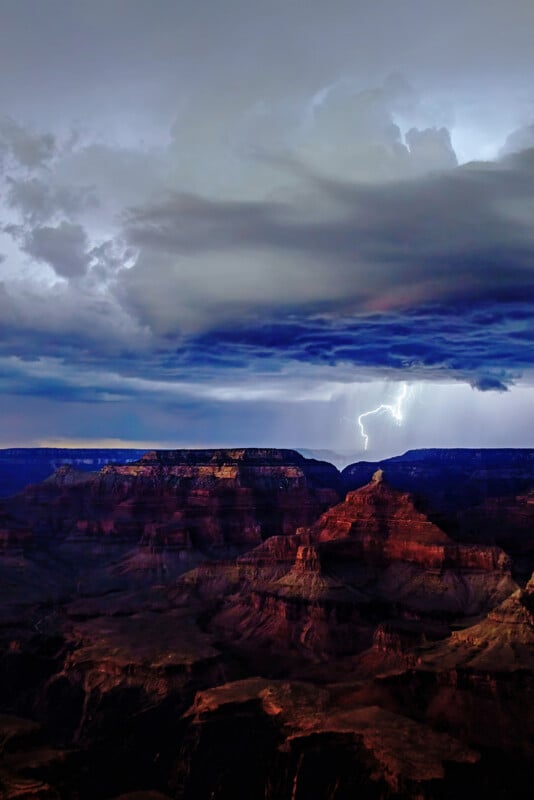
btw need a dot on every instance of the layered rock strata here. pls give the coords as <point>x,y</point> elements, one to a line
<point>200,499</point>
<point>322,591</point>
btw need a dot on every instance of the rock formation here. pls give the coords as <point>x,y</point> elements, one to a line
<point>321,592</point>
<point>308,745</point>
<point>481,496</point>
<point>197,498</point>
<point>319,649</point>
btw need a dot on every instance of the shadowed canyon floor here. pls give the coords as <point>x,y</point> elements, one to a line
<point>224,624</point>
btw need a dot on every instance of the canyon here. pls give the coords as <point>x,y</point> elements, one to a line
<point>250,623</point>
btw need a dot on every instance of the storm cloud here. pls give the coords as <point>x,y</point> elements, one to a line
<point>464,233</point>
<point>224,204</point>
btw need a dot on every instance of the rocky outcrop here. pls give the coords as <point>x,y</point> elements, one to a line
<point>479,496</point>
<point>124,668</point>
<point>502,642</point>
<point>308,744</point>
<point>320,593</point>
<point>479,681</point>
<point>27,765</point>
<point>13,533</point>
<point>202,499</point>
<point>385,525</point>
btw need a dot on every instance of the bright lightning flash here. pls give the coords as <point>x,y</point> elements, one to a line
<point>395,410</point>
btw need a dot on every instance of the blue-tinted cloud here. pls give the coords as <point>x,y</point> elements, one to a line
<point>488,347</point>
<point>430,278</point>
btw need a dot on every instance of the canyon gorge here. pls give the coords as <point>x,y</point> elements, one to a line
<point>250,623</point>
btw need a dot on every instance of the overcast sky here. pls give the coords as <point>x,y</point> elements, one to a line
<point>247,223</point>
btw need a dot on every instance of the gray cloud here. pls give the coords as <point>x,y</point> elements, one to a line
<point>518,140</point>
<point>460,234</point>
<point>39,201</point>
<point>118,175</point>
<point>64,247</point>
<point>69,322</point>
<point>431,148</point>
<point>489,383</point>
<point>351,132</point>
<point>247,49</point>
<point>27,148</point>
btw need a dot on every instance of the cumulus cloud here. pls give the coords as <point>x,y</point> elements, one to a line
<point>70,323</point>
<point>355,133</point>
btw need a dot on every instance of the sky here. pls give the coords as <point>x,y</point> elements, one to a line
<point>226,223</point>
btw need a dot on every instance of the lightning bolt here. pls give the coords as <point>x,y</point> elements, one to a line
<point>395,410</point>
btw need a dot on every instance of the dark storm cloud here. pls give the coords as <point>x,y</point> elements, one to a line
<point>65,322</point>
<point>428,278</point>
<point>207,194</point>
<point>463,235</point>
<point>489,347</point>
<point>23,383</point>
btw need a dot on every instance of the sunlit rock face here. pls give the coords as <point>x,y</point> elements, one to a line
<point>480,496</point>
<point>387,526</point>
